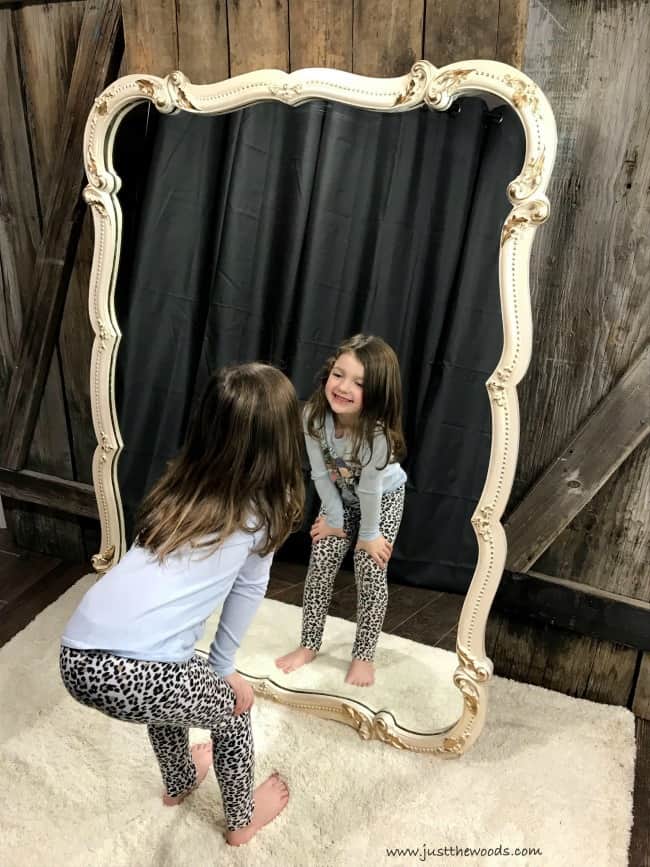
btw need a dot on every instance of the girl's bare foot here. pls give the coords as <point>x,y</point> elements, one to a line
<point>360,673</point>
<point>270,799</point>
<point>295,659</point>
<point>202,758</point>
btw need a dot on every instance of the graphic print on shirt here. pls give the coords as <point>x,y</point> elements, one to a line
<point>345,474</point>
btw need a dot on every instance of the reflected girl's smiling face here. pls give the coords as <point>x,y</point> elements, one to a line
<point>344,386</point>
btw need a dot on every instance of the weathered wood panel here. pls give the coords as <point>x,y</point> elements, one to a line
<point>48,37</point>
<point>591,306</point>
<point>202,39</point>
<point>607,544</point>
<point>150,36</point>
<point>258,35</point>
<point>62,217</point>
<point>620,422</point>
<point>480,29</point>
<point>641,701</point>
<point>639,853</point>
<point>19,240</point>
<point>77,498</point>
<point>560,660</point>
<point>19,213</point>
<point>321,34</point>
<point>457,30</point>
<point>511,35</point>
<point>387,36</point>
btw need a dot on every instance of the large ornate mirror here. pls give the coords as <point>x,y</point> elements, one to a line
<point>270,216</point>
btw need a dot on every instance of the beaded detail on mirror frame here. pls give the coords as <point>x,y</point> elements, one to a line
<point>424,84</point>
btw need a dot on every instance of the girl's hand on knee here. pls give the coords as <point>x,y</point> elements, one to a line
<point>380,549</point>
<point>244,695</point>
<point>320,529</point>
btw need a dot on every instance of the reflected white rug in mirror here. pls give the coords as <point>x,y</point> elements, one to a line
<point>414,682</point>
<point>549,773</point>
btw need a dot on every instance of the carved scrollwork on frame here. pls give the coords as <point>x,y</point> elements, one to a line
<point>375,729</point>
<point>424,84</point>
<point>443,86</point>
<point>95,201</point>
<point>524,94</point>
<point>470,664</point>
<point>481,523</point>
<point>417,84</point>
<point>177,85</point>
<point>534,211</point>
<point>285,91</point>
<point>529,179</point>
<point>101,562</point>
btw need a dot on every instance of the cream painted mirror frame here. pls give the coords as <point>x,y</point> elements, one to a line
<point>424,84</point>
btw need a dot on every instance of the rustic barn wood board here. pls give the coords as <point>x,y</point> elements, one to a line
<point>76,498</point>
<point>20,236</point>
<point>387,37</point>
<point>620,422</point>
<point>203,39</point>
<point>258,35</point>
<point>641,701</point>
<point>591,306</point>
<point>62,217</point>
<point>48,36</point>
<point>321,34</point>
<point>557,659</point>
<point>150,36</point>
<point>575,607</point>
<point>479,29</point>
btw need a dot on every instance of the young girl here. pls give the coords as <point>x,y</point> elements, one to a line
<point>205,533</point>
<point>353,432</point>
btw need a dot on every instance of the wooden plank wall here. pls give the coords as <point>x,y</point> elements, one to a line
<point>38,48</point>
<point>591,310</point>
<point>589,301</point>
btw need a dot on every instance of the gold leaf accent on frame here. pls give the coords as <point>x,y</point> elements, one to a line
<point>535,211</point>
<point>178,82</point>
<point>101,103</point>
<point>373,730</point>
<point>511,225</point>
<point>146,87</point>
<point>524,94</point>
<point>91,198</point>
<point>497,392</point>
<point>452,745</point>
<point>92,169</point>
<point>102,561</point>
<point>417,83</point>
<point>528,180</point>
<point>445,84</point>
<point>479,672</point>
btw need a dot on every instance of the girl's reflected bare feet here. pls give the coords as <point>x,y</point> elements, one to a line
<point>360,673</point>
<point>270,799</point>
<point>202,758</point>
<point>295,659</point>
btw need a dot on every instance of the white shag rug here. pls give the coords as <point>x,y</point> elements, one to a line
<point>81,790</point>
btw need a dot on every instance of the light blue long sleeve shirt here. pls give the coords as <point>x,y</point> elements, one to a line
<point>144,610</point>
<point>373,482</point>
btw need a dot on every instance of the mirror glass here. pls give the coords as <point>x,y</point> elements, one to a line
<point>272,233</point>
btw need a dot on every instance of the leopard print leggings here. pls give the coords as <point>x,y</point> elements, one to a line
<point>372,585</point>
<point>171,697</point>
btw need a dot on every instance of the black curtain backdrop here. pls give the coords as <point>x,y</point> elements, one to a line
<point>271,234</point>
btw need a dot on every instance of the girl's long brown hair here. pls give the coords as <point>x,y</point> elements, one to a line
<point>382,396</point>
<point>241,458</point>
